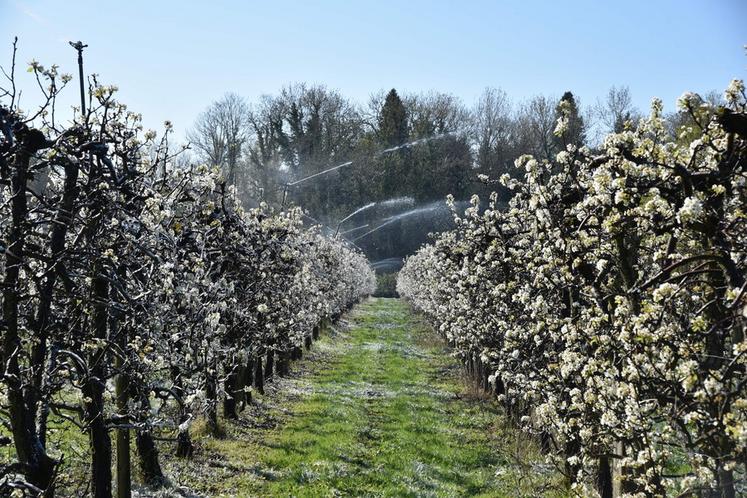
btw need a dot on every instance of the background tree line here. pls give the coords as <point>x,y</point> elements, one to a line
<point>304,129</point>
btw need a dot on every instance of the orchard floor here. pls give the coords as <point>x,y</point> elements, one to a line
<point>376,408</point>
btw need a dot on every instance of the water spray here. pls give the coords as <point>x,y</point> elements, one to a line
<point>374,230</point>
<point>387,262</point>
<point>416,142</point>
<point>343,165</point>
<point>359,210</point>
<point>388,203</point>
<point>396,202</point>
<point>388,221</point>
<point>428,208</point>
<point>356,228</point>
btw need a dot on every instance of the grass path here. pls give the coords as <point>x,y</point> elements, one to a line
<point>382,412</point>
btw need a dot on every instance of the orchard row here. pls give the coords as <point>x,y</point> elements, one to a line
<point>606,305</point>
<point>136,295</point>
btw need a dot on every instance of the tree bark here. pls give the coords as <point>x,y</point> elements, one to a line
<point>604,478</point>
<point>269,364</point>
<point>259,378</point>
<point>147,452</point>
<point>726,483</point>
<point>150,468</point>
<point>184,447</point>
<point>122,387</point>
<point>211,396</point>
<point>231,386</point>
<point>98,435</point>
<point>248,380</point>
<point>93,392</point>
<point>283,364</point>
<point>296,353</point>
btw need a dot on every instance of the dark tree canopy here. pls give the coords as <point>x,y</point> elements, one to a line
<point>393,128</point>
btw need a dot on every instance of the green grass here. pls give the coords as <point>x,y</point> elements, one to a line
<point>389,416</point>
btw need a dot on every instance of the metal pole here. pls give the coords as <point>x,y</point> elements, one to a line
<point>79,47</point>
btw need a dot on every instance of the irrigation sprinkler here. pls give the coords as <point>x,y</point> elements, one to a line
<point>408,200</point>
<point>79,46</point>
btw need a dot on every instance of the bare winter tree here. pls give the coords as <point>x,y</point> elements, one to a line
<point>263,153</point>
<point>615,110</point>
<point>536,122</point>
<point>320,128</point>
<point>491,130</point>
<point>371,112</point>
<point>434,113</point>
<point>220,133</point>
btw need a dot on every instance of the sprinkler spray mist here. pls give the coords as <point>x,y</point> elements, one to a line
<point>348,163</point>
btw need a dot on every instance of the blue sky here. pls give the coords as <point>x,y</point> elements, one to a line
<point>171,59</point>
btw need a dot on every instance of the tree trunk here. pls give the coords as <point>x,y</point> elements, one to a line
<point>231,387</point>
<point>626,477</point>
<point>248,380</point>
<point>570,449</point>
<point>184,448</point>
<point>545,440</point>
<point>239,388</point>
<point>726,482</point>
<point>211,396</point>
<point>296,353</point>
<point>724,486</point>
<point>40,348</point>
<point>147,452</point>
<point>259,378</point>
<point>122,387</point>
<point>270,364</point>
<point>604,478</point>
<point>283,364</point>
<point>500,388</point>
<point>93,391</point>
<point>98,435</point>
<point>477,378</point>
